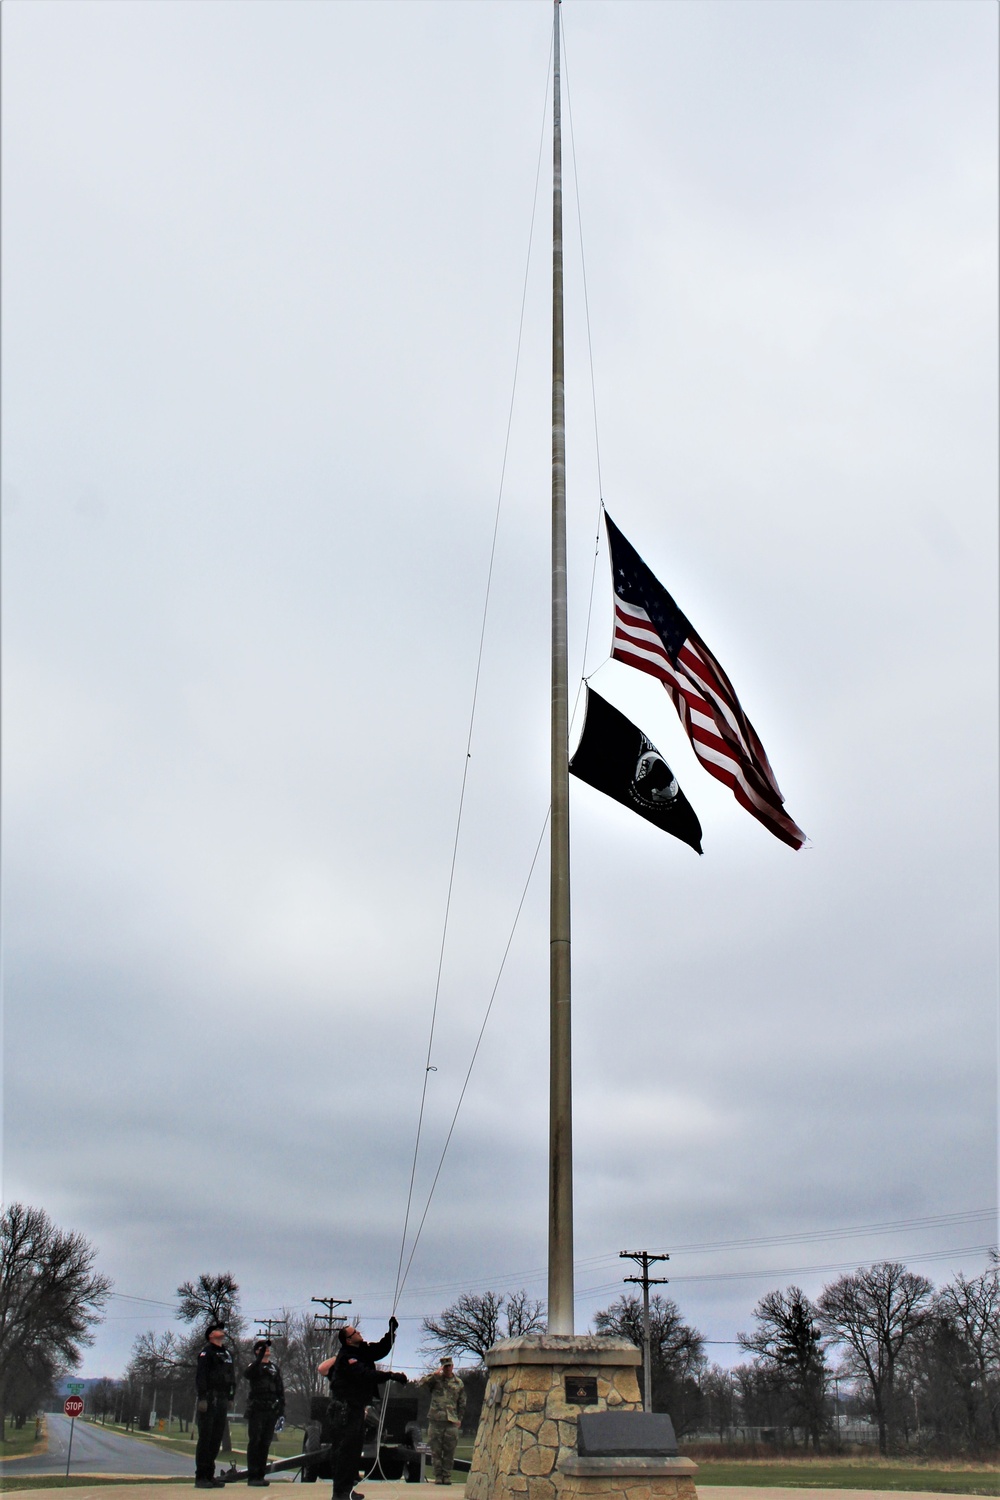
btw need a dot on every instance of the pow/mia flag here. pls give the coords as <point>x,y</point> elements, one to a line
<point>616,758</point>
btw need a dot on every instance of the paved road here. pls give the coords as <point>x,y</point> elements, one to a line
<point>98,1451</point>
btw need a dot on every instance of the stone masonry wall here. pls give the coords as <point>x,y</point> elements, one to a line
<point>527,1431</point>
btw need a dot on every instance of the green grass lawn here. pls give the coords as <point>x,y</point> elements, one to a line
<point>18,1442</point>
<point>285,1445</point>
<point>851,1474</point>
<point>835,1474</point>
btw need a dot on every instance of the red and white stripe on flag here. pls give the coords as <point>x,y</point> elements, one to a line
<point>722,736</point>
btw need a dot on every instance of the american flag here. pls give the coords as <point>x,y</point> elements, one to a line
<point>652,634</point>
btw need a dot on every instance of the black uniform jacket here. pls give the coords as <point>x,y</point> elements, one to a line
<point>267,1390</point>
<point>354,1378</point>
<point>215,1373</point>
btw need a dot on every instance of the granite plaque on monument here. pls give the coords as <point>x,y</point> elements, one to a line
<point>620,1434</point>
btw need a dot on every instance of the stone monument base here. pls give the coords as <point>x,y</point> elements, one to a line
<point>526,1446</point>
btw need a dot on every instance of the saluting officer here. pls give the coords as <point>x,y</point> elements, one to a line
<point>216,1382</point>
<point>264,1406</point>
<point>444,1420</point>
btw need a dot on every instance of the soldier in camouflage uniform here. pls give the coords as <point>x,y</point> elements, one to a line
<point>445,1417</point>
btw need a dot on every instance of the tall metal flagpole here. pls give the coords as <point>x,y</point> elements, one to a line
<point>560,1290</point>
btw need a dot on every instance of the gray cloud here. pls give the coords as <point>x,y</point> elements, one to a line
<point>263,276</point>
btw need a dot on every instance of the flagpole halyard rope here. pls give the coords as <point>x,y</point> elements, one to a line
<point>401,1279</point>
<point>401,1273</point>
<point>428,1068</point>
<point>475,1050</point>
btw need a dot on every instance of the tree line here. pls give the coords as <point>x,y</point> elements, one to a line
<point>922,1367</point>
<point>879,1345</point>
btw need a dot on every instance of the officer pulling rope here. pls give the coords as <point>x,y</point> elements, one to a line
<point>354,1381</point>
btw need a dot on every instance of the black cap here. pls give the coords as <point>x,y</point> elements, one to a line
<point>261,1345</point>
<point>215,1328</point>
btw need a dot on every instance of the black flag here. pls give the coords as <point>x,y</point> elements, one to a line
<point>617,759</point>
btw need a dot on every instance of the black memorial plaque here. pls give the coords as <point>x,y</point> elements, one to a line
<point>625,1434</point>
<point>581,1390</point>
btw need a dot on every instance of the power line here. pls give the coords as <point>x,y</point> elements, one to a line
<point>152,1301</point>
<point>812,1236</point>
<point>848,1265</point>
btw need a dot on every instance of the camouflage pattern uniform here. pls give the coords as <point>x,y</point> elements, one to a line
<point>444,1421</point>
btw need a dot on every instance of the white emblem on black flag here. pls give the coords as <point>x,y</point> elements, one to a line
<point>617,758</point>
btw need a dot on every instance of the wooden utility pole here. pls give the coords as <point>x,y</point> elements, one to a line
<point>645,1259</point>
<point>271,1323</point>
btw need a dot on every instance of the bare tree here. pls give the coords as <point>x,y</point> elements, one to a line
<point>101,1398</point>
<point>973,1309</point>
<point>50,1296</point>
<point>788,1342</point>
<point>523,1314</point>
<point>155,1357</point>
<point>305,1344</point>
<point>720,1403</point>
<point>761,1401</point>
<point>953,1367</point>
<point>160,1367</point>
<point>873,1313</point>
<point>214,1299</point>
<point>678,1352</point>
<point>474,1323</point>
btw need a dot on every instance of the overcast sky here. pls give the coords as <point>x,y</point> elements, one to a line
<point>263,273</point>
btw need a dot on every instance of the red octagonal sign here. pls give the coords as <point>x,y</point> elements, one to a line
<point>73,1406</point>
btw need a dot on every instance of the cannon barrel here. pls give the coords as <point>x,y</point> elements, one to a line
<point>315,1455</point>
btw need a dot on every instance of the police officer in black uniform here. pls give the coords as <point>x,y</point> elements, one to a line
<point>216,1383</point>
<point>354,1383</point>
<point>265,1405</point>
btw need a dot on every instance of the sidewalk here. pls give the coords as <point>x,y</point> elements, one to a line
<point>141,1489</point>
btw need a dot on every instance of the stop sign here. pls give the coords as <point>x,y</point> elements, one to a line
<point>73,1406</point>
